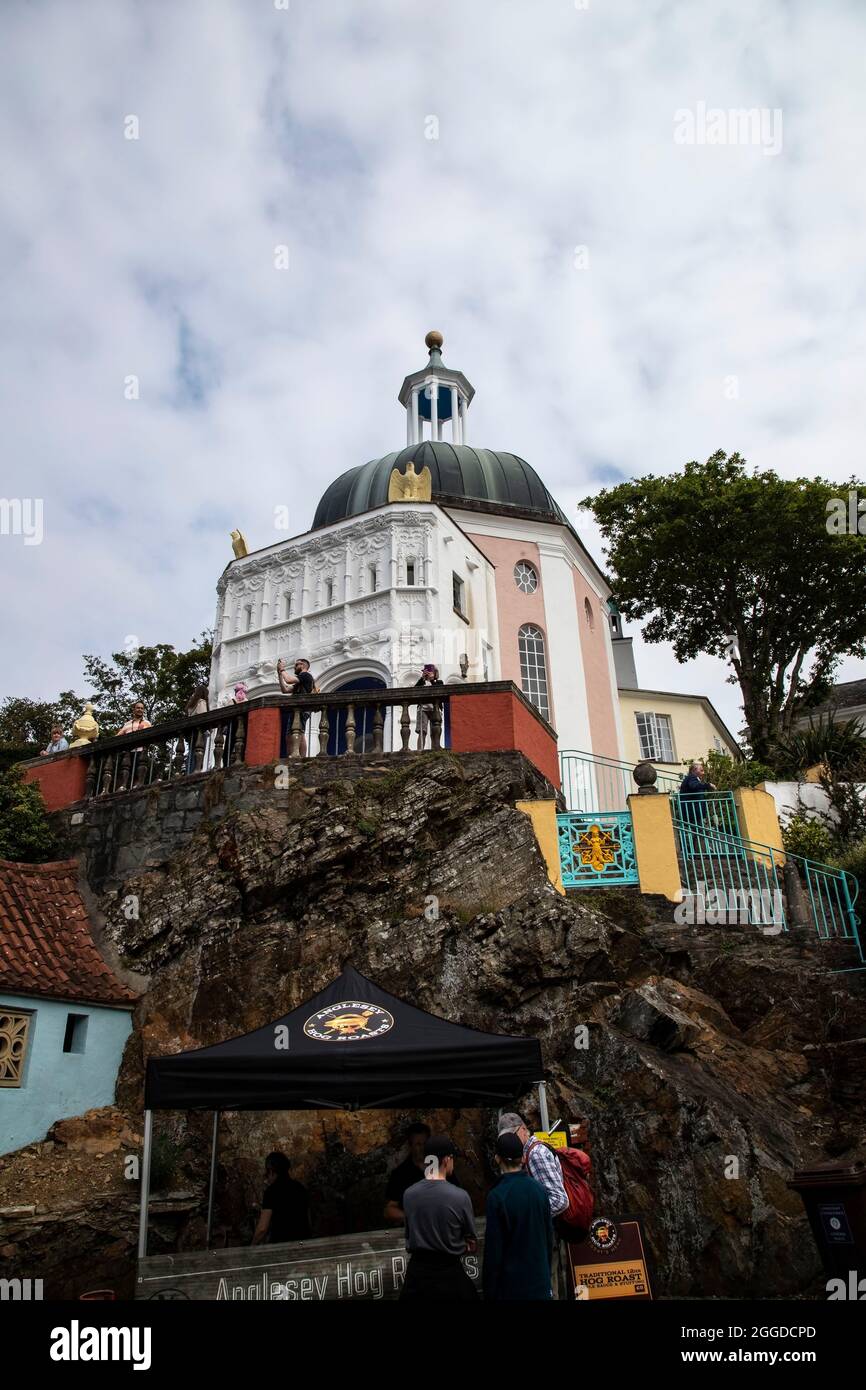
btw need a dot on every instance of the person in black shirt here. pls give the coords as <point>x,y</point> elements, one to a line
<point>303,683</point>
<point>429,676</point>
<point>285,1213</point>
<point>411,1170</point>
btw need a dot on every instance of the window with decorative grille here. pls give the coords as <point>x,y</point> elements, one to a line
<point>14,1029</point>
<point>525,577</point>
<point>533,667</point>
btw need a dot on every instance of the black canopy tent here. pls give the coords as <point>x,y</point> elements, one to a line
<point>352,1046</point>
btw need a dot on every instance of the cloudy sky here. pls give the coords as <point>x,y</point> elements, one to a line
<point>504,170</point>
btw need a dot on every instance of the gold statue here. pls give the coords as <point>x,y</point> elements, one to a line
<point>239,545</point>
<point>410,486</point>
<point>85,729</point>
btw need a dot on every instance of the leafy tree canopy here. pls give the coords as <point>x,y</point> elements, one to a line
<point>746,566</point>
<point>160,677</point>
<point>26,834</point>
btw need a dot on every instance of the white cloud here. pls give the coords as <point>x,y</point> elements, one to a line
<point>155,258</point>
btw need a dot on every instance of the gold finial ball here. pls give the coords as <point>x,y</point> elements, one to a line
<point>434,339</point>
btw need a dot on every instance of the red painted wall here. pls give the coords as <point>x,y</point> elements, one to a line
<point>61,779</point>
<point>490,723</point>
<point>263,736</point>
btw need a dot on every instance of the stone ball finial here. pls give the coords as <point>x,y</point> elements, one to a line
<point>646,777</point>
<point>434,339</point>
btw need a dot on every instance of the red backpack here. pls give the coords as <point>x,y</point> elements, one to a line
<point>575,1165</point>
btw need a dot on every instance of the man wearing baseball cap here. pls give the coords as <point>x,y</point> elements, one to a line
<point>542,1163</point>
<point>518,1239</point>
<point>440,1228</point>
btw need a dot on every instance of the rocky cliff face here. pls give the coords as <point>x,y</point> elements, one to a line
<point>708,1064</point>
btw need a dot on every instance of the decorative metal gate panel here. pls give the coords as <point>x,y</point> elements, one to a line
<point>595,850</point>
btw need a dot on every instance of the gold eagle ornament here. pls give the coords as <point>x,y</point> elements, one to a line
<point>239,545</point>
<point>410,486</point>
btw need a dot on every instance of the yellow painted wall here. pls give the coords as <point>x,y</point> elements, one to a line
<point>655,845</point>
<point>758,819</point>
<point>693,729</point>
<point>543,817</point>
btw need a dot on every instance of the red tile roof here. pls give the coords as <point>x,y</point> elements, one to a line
<point>46,944</point>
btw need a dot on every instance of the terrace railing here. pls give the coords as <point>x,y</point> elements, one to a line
<point>594,784</point>
<point>363,722</point>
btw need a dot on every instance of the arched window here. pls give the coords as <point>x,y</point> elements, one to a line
<point>533,668</point>
<point>525,577</point>
<point>589,615</point>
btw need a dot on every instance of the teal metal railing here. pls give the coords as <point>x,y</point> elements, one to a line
<point>715,812</point>
<point>748,877</point>
<point>594,784</point>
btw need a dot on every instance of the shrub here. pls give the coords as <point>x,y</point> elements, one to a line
<point>726,774</point>
<point>26,833</point>
<point>837,744</point>
<point>806,836</point>
<point>854,860</point>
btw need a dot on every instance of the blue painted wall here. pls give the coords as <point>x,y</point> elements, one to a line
<point>58,1084</point>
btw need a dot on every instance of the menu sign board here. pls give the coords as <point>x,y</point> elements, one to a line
<point>611,1262</point>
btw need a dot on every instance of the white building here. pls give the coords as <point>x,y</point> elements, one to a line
<point>487,579</point>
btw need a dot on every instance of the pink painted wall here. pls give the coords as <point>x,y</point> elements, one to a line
<point>594,650</point>
<point>513,606</point>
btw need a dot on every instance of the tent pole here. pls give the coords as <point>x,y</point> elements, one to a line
<point>145,1183</point>
<point>542,1105</point>
<point>213,1164</point>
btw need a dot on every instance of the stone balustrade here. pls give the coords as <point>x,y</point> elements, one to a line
<point>476,717</point>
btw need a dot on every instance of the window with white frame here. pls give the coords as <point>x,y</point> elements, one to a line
<point>373,578</point>
<point>525,577</point>
<point>533,667</point>
<point>410,572</point>
<point>656,737</point>
<point>329,592</point>
<point>290,604</point>
<point>248,615</point>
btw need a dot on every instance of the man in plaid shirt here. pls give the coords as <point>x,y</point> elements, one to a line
<point>541,1162</point>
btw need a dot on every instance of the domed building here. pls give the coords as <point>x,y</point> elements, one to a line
<point>441,552</point>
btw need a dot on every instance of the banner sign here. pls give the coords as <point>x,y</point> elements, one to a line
<point>556,1138</point>
<point>611,1262</point>
<point>352,1268</point>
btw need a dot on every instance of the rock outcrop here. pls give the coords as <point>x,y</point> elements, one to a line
<point>708,1064</point>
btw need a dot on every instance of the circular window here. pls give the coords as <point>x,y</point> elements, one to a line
<point>525,577</point>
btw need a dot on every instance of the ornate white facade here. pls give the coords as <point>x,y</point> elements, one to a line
<point>371,596</point>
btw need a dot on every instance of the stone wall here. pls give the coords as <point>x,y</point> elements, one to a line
<point>117,836</point>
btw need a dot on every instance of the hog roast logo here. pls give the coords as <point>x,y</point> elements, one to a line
<point>603,1234</point>
<point>349,1021</point>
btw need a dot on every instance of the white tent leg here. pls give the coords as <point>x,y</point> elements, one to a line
<point>145,1183</point>
<point>212,1185</point>
<point>542,1106</point>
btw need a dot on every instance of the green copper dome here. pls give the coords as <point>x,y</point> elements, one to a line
<point>484,478</point>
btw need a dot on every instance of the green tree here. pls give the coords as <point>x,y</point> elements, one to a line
<point>744,566</point>
<point>26,834</point>
<point>162,678</point>
<point>25,725</point>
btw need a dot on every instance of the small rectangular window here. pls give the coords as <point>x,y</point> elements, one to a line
<point>656,736</point>
<point>410,572</point>
<point>249,615</point>
<point>290,604</point>
<point>458,590</point>
<point>76,1033</point>
<point>329,592</point>
<point>374,579</point>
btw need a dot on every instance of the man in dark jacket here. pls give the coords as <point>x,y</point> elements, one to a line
<point>518,1242</point>
<point>693,795</point>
